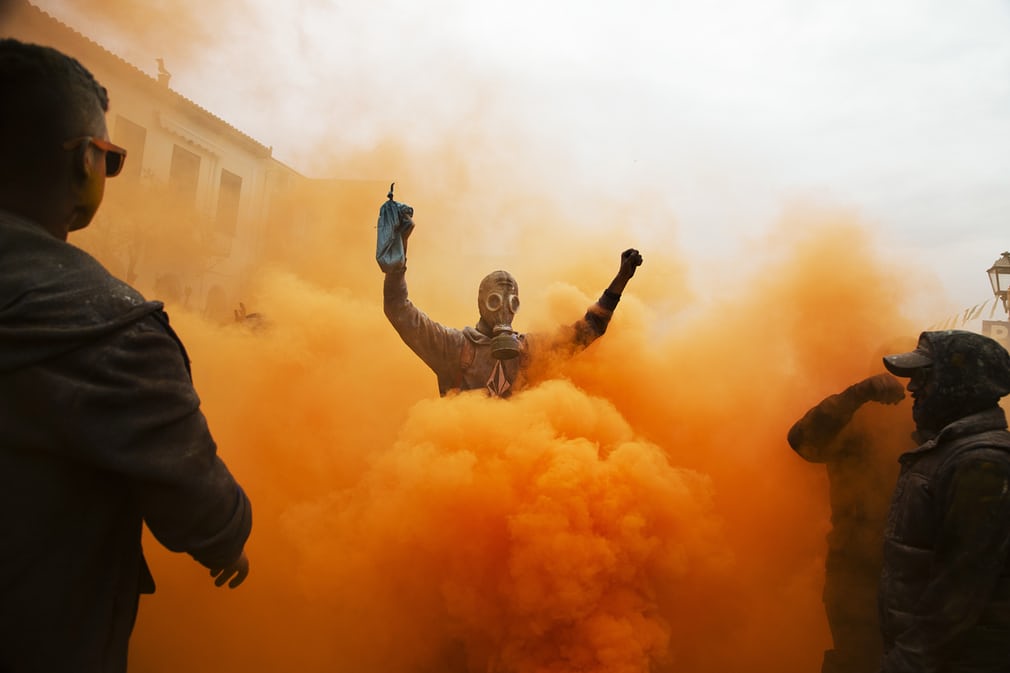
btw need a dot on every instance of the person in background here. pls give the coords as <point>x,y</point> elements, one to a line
<point>491,355</point>
<point>854,441</point>
<point>101,427</point>
<point>945,583</point>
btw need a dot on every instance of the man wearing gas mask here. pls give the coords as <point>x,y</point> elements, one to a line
<point>490,355</point>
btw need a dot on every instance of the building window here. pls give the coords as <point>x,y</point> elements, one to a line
<point>184,174</point>
<point>227,202</point>
<point>133,137</point>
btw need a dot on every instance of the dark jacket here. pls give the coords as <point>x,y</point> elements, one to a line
<point>462,360</point>
<point>859,443</point>
<point>945,585</point>
<point>102,431</point>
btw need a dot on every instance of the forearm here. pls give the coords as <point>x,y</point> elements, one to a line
<point>599,314</point>
<point>190,500</point>
<point>206,514</point>
<point>594,324</point>
<point>219,539</point>
<point>394,293</point>
<point>821,424</point>
<point>617,285</point>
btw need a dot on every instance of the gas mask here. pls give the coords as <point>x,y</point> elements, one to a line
<point>498,302</point>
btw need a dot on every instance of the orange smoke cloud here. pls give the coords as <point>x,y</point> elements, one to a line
<point>641,511</point>
<point>536,531</point>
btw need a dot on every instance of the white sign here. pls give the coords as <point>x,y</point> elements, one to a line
<point>998,330</point>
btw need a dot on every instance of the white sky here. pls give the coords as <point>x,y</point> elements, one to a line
<point>724,110</point>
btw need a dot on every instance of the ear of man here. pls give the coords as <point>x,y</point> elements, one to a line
<point>87,178</point>
<point>82,161</point>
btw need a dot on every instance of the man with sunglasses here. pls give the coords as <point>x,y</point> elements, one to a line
<point>492,355</point>
<point>945,585</point>
<point>101,428</point>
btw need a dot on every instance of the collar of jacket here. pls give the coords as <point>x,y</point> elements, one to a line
<point>983,421</point>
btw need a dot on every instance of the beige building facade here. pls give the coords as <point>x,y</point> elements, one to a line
<point>186,220</point>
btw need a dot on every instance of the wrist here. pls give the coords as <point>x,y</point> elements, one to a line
<point>609,299</point>
<point>859,393</point>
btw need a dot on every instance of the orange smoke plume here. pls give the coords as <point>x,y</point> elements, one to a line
<point>639,511</point>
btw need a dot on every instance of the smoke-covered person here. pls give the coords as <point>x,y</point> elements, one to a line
<point>945,585</point>
<point>856,442</point>
<point>490,355</point>
<point>102,428</point>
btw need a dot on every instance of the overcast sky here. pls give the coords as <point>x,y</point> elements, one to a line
<point>726,110</point>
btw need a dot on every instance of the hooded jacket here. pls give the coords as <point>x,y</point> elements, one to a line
<point>102,431</point>
<point>945,585</point>
<point>462,359</point>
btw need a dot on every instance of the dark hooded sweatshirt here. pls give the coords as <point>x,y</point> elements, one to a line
<point>101,432</point>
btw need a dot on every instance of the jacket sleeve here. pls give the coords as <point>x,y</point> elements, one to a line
<point>438,346</point>
<point>594,324</point>
<point>813,436</point>
<point>573,338</point>
<point>134,412</point>
<point>970,553</point>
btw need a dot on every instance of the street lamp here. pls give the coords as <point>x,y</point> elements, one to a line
<point>999,277</point>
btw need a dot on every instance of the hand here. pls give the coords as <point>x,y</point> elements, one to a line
<point>237,571</point>
<point>631,259</point>
<point>884,388</point>
<point>406,226</point>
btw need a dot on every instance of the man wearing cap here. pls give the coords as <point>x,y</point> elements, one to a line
<point>945,584</point>
<point>490,355</point>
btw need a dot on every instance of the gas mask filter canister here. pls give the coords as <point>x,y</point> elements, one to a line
<point>504,343</point>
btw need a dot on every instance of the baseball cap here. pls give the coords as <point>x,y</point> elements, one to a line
<point>904,364</point>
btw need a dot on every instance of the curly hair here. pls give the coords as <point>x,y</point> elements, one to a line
<point>49,98</point>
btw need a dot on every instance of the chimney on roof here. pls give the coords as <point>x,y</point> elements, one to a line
<point>163,75</point>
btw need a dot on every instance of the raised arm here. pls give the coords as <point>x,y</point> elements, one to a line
<point>437,345</point>
<point>812,435</point>
<point>575,337</point>
<point>594,323</point>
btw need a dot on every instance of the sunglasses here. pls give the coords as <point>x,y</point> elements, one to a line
<point>115,156</point>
